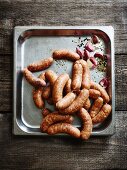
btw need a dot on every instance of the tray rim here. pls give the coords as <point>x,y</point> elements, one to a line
<point>18,30</point>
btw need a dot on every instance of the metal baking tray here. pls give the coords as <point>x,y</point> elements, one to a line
<point>32,43</point>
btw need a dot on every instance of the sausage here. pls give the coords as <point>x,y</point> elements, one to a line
<point>103,114</point>
<point>66,101</point>
<point>46,93</point>
<point>42,76</point>
<point>87,124</point>
<point>34,81</point>
<point>86,74</point>
<point>87,104</point>
<point>64,128</point>
<point>98,103</point>
<point>53,118</point>
<point>67,87</point>
<point>37,98</point>
<point>76,76</point>
<point>57,92</point>
<point>77,103</point>
<point>51,76</point>
<point>40,65</point>
<point>45,112</point>
<point>103,92</point>
<point>94,93</point>
<point>65,54</point>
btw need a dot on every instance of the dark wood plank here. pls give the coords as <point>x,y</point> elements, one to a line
<point>6,78</point>
<point>6,82</point>
<point>13,13</point>
<point>29,153</point>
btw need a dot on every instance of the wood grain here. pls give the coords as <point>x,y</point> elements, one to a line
<point>13,13</point>
<point>49,153</point>
<point>29,153</point>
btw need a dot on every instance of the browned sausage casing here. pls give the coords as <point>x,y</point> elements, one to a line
<point>67,87</point>
<point>103,114</point>
<point>65,101</point>
<point>46,93</point>
<point>42,76</point>
<point>64,128</point>
<point>87,124</point>
<point>94,93</point>
<point>65,54</point>
<point>103,92</point>
<point>97,105</point>
<point>51,76</point>
<point>86,74</point>
<point>77,103</point>
<point>76,76</point>
<point>57,92</point>
<point>53,118</point>
<point>40,65</point>
<point>34,81</point>
<point>37,97</point>
<point>45,112</point>
<point>87,104</point>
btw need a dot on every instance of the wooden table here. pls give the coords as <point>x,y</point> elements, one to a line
<point>28,153</point>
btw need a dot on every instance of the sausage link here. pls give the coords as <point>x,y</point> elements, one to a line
<point>45,112</point>
<point>51,76</point>
<point>103,92</point>
<point>42,76</point>
<point>67,87</point>
<point>87,104</point>
<point>46,93</point>
<point>65,54</point>
<point>76,76</point>
<point>40,65</point>
<point>97,105</point>
<point>77,103</point>
<point>94,93</point>
<point>57,92</point>
<point>87,124</point>
<point>37,98</point>
<point>86,74</point>
<point>34,81</point>
<point>103,114</point>
<point>64,128</point>
<point>53,118</point>
<point>66,101</point>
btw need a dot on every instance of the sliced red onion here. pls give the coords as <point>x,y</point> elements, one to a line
<point>93,66</point>
<point>95,39</point>
<point>98,55</point>
<point>86,55</point>
<point>79,52</point>
<point>89,47</point>
<point>104,82</point>
<point>93,60</point>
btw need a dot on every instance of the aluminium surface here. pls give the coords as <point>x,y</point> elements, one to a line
<point>32,43</point>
